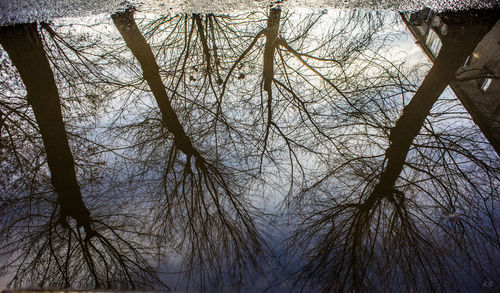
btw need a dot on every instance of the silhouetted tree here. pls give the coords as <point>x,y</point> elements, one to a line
<point>42,241</point>
<point>390,187</point>
<point>382,234</point>
<point>200,195</point>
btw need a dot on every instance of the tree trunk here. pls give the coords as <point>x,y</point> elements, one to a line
<point>125,23</point>
<point>24,46</point>
<point>203,39</point>
<point>273,24</point>
<point>465,31</point>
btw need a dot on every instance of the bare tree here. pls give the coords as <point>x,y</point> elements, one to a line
<point>387,192</point>
<point>45,246</point>
<point>381,236</point>
<point>200,194</point>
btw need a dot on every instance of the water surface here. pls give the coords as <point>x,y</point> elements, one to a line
<point>259,148</point>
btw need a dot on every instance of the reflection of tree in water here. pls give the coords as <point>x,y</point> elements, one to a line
<point>383,231</point>
<point>44,235</point>
<point>220,104</point>
<point>203,202</point>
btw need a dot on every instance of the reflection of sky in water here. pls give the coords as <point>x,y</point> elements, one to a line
<point>121,151</point>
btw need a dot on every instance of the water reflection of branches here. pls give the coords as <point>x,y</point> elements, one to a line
<point>69,248</point>
<point>387,220</point>
<point>219,103</point>
<point>202,203</point>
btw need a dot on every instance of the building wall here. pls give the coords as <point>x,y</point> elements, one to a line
<point>483,63</point>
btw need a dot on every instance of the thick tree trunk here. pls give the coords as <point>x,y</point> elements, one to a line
<point>465,31</point>
<point>272,31</point>
<point>125,23</point>
<point>203,39</point>
<point>24,46</point>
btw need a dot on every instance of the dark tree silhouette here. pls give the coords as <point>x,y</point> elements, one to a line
<point>388,193</point>
<point>386,227</point>
<point>47,248</point>
<point>219,229</point>
<point>24,47</point>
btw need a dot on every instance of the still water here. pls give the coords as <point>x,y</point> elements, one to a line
<point>266,148</point>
